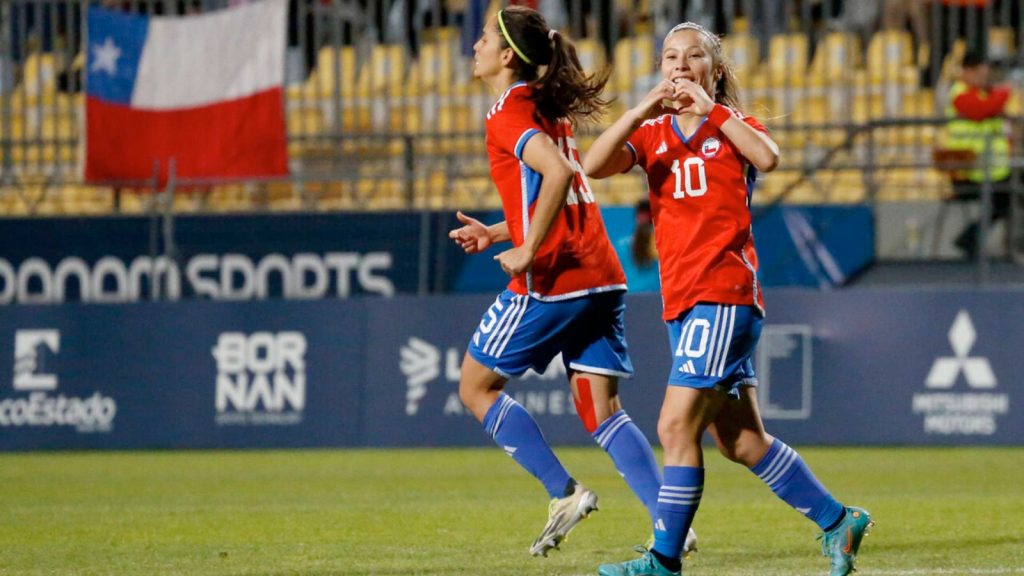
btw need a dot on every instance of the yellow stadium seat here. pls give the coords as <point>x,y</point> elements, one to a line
<point>1000,43</point>
<point>435,63</point>
<point>335,66</point>
<point>836,57</point>
<point>591,54</point>
<point>743,54</point>
<point>635,58</point>
<point>39,78</point>
<point>787,60</point>
<point>890,57</point>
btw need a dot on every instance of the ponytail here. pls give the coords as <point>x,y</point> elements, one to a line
<point>564,90</point>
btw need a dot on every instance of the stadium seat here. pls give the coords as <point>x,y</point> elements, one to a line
<point>335,66</point>
<point>741,50</point>
<point>891,58</point>
<point>591,53</point>
<point>1000,43</point>
<point>634,60</point>
<point>787,60</point>
<point>835,60</point>
<point>39,78</point>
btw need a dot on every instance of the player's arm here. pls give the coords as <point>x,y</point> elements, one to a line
<point>542,155</point>
<point>608,155</point>
<point>757,147</point>
<point>474,236</point>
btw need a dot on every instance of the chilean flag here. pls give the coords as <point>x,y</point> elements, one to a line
<point>205,91</point>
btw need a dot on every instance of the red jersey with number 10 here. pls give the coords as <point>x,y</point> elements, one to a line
<point>700,188</point>
<point>576,257</point>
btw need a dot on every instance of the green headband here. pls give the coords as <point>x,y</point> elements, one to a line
<point>508,38</point>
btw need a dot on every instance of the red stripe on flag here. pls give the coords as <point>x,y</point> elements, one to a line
<point>236,139</point>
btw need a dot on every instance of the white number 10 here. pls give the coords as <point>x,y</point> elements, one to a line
<point>688,169</point>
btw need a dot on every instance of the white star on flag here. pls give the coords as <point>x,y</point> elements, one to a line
<point>105,57</point>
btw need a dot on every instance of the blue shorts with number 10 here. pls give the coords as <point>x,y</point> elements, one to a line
<point>712,345</point>
<point>519,332</point>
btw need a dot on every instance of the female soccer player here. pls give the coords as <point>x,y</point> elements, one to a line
<point>701,156</point>
<point>566,292</point>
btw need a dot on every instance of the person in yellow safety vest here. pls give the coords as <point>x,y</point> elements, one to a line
<point>977,123</point>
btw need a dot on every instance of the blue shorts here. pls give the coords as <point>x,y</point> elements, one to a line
<point>712,346</point>
<point>518,333</point>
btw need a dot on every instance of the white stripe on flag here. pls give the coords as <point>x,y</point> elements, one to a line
<point>200,60</point>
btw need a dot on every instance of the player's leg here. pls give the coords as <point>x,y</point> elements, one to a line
<point>495,353</point>
<point>518,333</point>
<point>740,435</point>
<point>692,400</point>
<point>595,355</point>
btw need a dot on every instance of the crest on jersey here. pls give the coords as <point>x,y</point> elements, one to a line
<point>710,147</point>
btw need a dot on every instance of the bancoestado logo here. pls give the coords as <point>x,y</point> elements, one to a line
<point>111,280</point>
<point>261,378</point>
<point>33,350</point>
<point>949,412</point>
<point>421,363</point>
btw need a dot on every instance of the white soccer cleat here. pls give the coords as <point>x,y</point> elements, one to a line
<point>563,515</point>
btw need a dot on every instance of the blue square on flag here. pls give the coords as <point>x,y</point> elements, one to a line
<point>115,48</point>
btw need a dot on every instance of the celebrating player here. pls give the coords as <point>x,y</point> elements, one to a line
<point>701,156</point>
<point>566,292</point>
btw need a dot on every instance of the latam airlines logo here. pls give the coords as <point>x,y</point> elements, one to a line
<point>35,352</point>
<point>948,412</point>
<point>423,364</point>
<point>261,378</point>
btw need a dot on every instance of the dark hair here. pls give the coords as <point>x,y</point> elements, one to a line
<point>564,90</point>
<point>640,247</point>
<point>726,87</point>
<point>973,59</point>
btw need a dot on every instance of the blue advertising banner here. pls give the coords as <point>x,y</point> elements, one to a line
<point>228,258</point>
<point>809,246</point>
<point>864,367</point>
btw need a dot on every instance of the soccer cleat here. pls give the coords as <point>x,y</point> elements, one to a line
<point>646,565</point>
<point>689,546</point>
<point>842,542</point>
<point>563,515</point>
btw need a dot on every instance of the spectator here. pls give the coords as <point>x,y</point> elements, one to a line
<point>977,124</point>
<point>637,253</point>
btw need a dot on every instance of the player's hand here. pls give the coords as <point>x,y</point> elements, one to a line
<point>473,236</point>
<point>653,104</point>
<point>515,261</point>
<point>693,97</point>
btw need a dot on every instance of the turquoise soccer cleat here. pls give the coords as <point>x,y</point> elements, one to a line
<point>842,542</point>
<point>646,565</point>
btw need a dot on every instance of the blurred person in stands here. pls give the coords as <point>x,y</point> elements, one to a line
<point>567,286</point>
<point>701,156</point>
<point>977,123</point>
<point>637,252</point>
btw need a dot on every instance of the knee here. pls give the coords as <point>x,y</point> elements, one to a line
<point>674,434</point>
<point>745,449</point>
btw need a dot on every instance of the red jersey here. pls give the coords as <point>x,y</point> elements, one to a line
<point>576,257</point>
<point>700,188</point>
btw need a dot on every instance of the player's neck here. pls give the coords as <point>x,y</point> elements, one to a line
<point>688,122</point>
<point>501,81</point>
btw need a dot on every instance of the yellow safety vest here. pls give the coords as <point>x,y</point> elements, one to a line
<point>966,134</point>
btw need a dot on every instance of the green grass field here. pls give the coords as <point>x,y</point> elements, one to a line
<point>473,512</point>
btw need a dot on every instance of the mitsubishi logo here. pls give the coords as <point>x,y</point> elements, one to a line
<point>976,369</point>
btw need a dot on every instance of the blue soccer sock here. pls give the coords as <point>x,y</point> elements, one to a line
<point>515,430</point>
<point>633,457</point>
<point>785,472</point>
<point>678,501</point>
